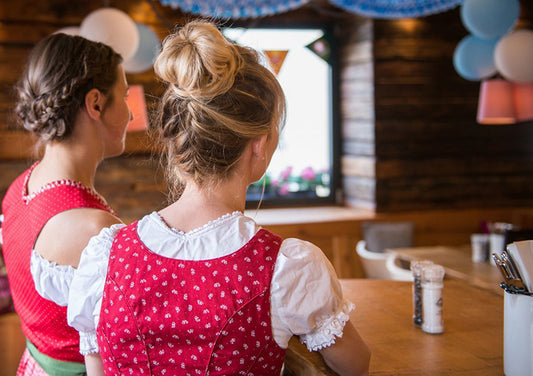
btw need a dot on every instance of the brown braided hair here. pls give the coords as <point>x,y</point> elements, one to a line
<point>60,71</point>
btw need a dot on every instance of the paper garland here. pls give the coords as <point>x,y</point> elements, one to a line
<point>321,48</point>
<point>276,59</point>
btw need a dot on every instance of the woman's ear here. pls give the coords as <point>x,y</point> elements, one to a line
<point>94,104</point>
<point>259,146</point>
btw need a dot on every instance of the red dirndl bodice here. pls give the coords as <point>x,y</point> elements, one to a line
<point>163,316</point>
<point>44,323</point>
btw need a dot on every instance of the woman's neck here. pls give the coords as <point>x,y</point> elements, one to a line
<point>63,160</point>
<point>196,207</point>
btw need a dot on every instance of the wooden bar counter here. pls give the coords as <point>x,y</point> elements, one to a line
<point>472,342</point>
<point>457,261</point>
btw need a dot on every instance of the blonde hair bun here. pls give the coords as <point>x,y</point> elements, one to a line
<point>218,98</point>
<point>198,62</point>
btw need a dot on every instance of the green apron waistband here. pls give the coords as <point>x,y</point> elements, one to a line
<point>55,367</point>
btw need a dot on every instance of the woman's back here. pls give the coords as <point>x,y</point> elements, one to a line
<point>189,316</point>
<point>51,210</point>
<point>43,322</point>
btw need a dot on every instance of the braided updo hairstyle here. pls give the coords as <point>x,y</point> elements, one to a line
<point>218,98</point>
<point>60,71</point>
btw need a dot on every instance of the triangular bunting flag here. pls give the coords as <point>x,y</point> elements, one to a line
<point>276,58</point>
<point>321,48</point>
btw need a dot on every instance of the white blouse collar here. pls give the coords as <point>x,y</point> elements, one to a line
<point>216,238</point>
<point>211,225</point>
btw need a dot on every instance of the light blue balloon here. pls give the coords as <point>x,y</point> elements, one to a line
<point>473,58</point>
<point>490,19</point>
<point>144,57</point>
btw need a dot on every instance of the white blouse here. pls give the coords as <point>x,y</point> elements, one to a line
<point>306,297</point>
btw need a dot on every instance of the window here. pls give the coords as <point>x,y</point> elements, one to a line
<point>304,168</point>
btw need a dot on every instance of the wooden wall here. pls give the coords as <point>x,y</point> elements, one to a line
<point>356,35</point>
<point>420,147</point>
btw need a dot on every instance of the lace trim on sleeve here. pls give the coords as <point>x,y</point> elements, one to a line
<point>328,328</point>
<point>88,343</point>
<point>52,281</point>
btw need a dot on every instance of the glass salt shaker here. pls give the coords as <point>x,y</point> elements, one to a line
<point>416,269</point>
<point>432,284</point>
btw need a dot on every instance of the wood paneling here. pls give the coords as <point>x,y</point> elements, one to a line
<point>427,149</point>
<point>357,111</point>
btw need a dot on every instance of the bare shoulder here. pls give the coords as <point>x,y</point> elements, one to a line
<point>93,220</point>
<point>65,235</point>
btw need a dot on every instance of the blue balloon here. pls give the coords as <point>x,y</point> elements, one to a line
<point>490,19</point>
<point>144,57</point>
<point>473,58</point>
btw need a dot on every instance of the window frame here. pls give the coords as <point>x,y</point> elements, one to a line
<point>335,195</point>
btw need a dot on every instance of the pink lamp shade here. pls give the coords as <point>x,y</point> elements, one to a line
<point>523,101</point>
<point>496,102</point>
<point>137,105</point>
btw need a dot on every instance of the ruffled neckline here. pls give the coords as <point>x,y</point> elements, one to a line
<point>27,197</point>
<point>206,227</point>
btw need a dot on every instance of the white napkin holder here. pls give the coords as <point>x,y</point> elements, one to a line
<point>518,335</point>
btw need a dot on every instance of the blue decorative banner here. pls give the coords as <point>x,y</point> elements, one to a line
<point>396,8</point>
<point>235,8</point>
<point>260,8</point>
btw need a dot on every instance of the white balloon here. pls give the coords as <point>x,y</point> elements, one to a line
<point>144,57</point>
<point>513,56</point>
<point>69,30</point>
<point>112,27</point>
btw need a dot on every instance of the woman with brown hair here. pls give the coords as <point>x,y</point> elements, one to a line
<point>72,96</point>
<point>199,288</point>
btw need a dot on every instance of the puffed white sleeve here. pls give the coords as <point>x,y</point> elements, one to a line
<point>306,297</point>
<point>87,288</point>
<point>52,281</point>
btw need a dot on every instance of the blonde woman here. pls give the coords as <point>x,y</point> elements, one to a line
<point>72,96</point>
<point>199,288</point>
